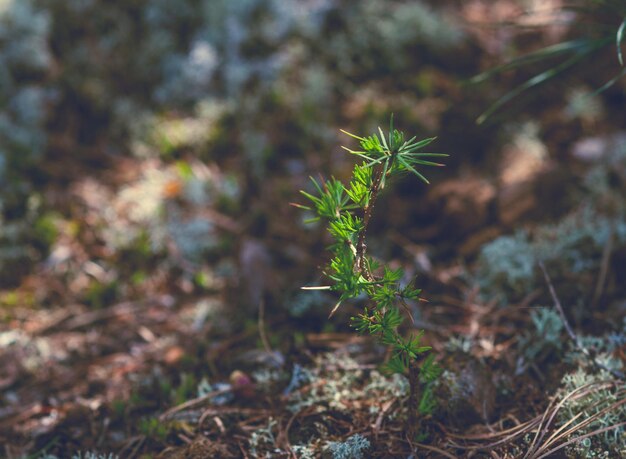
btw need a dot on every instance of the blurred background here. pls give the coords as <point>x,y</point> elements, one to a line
<point>149,152</point>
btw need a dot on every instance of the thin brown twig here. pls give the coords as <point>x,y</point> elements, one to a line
<point>540,424</point>
<point>193,403</point>
<point>561,433</point>
<point>407,310</point>
<point>262,334</point>
<point>552,410</point>
<point>545,416</point>
<point>282,439</point>
<point>520,427</point>
<point>361,246</point>
<point>219,423</point>
<point>525,428</point>
<point>582,437</point>
<point>537,446</point>
<point>604,269</point>
<point>243,450</point>
<point>570,331</point>
<point>90,317</point>
<point>135,443</point>
<point>436,450</point>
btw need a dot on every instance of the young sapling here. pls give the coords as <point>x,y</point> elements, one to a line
<point>348,209</point>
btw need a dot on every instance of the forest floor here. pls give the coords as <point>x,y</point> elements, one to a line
<point>178,373</point>
<point>166,319</point>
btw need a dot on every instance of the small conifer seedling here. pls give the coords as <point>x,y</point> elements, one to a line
<point>348,210</point>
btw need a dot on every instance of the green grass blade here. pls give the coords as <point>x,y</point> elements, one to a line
<point>579,45</point>
<point>609,83</point>
<point>619,36</point>
<point>534,81</point>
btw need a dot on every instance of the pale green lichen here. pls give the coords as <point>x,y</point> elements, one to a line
<point>353,448</point>
<point>507,266</point>
<point>341,376</point>
<point>263,439</point>
<point>94,455</point>
<point>543,340</point>
<point>611,443</point>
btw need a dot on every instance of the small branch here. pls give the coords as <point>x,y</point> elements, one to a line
<point>193,403</point>
<point>557,304</point>
<point>361,247</point>
<point>570,330</point>
<point>334,310</point>
<point>604,269</point>
<point>407,309</point>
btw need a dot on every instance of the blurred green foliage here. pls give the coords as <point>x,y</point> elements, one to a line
<point>597,24</point>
